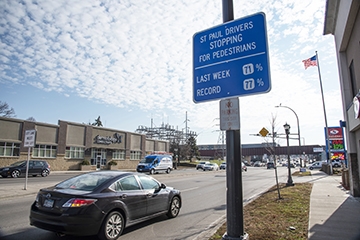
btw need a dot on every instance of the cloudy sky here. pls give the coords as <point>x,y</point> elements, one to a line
<point>131,62</point>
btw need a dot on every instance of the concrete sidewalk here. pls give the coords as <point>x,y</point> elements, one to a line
<point>334,213</point>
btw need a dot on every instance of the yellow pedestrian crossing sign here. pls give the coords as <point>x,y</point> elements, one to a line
<point>264,132</point>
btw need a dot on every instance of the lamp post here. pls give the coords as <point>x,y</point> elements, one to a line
<point>287,131</point>
<point>297,119</point>
<point>176,157</point>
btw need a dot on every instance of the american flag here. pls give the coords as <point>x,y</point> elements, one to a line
<point>310,62</point>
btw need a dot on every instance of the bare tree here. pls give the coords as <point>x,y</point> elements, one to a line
<point>271,148</point>
<point>6,111</point>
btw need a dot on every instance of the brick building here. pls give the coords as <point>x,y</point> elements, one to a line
<point>67,144</point>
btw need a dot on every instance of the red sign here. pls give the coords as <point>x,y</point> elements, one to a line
<point>335,133</point>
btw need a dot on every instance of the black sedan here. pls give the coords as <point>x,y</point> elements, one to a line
<point>17,169</point>
<point>102,203</point>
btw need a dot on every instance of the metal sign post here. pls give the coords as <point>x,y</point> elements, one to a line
<point>234,190</point>
<point>30,136</point>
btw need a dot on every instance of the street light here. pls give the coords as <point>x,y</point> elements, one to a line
<point>297,119</point>
<point>176,157</point>
<point>287,131</point>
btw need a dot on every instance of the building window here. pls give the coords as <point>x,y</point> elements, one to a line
<point>9,149</point>
<point>74,152</point>
<point>135,155</point>
<point>118,154</point>
<point>44,151</point>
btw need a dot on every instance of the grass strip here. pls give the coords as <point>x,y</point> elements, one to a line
<point>270,218</point>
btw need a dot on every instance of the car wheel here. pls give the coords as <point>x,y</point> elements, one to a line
<point>44,173</point>
<point>15,173</point>
<point>152,171</point>
<point>168,170</point>
<point>174,207</point>
<point>112,226</point>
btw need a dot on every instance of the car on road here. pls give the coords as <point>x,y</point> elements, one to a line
<point>315,165</point>
<point>243,166</point>
<point>270,165</point>
<point>211,167</point>
<point>102,203</point>
<point>201,165</point>
<point>222,166</point>
<point>258,164</point>
<point>17,169</point>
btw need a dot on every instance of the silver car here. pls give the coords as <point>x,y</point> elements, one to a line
<point>211,167</point>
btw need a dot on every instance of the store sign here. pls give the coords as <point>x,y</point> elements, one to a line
<point>319,149</point>
<point>107,140</point>
<point>335,133</point>
<point>336,141</point>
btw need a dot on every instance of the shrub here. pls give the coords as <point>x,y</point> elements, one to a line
<point>85,162</point>
<point>112,163</point>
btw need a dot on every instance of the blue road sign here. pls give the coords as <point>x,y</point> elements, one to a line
<point>231,60</point>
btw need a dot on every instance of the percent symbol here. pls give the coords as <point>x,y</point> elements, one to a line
<point>259,68</point>
<point>260,82</point>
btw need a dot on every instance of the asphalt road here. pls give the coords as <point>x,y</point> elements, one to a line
<point>204,205</point>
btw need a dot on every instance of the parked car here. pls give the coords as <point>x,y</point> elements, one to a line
<point>315,165</point>
<point>285,164</point>
<point>201,165</point>
<point>102,203</point>
<point>243,167</point>
<point>17,169</point>
<point>211,167</point>
<point>246,163</point>
<point>223,166</point>
<point>270,165</point>
<point>257,164</point>
<point>337,163</point>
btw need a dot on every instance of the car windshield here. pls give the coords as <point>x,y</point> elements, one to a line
<point>87,182</point>
<point>148,159</point>
<point>17,163</point>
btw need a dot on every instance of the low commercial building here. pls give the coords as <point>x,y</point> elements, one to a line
<point>66,145</point>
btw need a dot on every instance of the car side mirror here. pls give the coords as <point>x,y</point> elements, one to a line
<point>163,186</point>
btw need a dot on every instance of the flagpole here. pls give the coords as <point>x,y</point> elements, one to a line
<point>328,153</point>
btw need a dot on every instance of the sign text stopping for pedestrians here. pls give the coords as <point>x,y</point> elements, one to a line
<point>231,60</point>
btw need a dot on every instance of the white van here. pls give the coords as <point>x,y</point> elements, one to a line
<point>156,162</point>
<point>316,165</point>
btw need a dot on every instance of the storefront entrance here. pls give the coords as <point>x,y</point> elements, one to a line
<point>98,158</point>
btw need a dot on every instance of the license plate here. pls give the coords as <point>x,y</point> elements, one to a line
<point>48,203</point>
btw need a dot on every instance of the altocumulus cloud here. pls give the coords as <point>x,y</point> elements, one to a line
<point>138,53</point>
